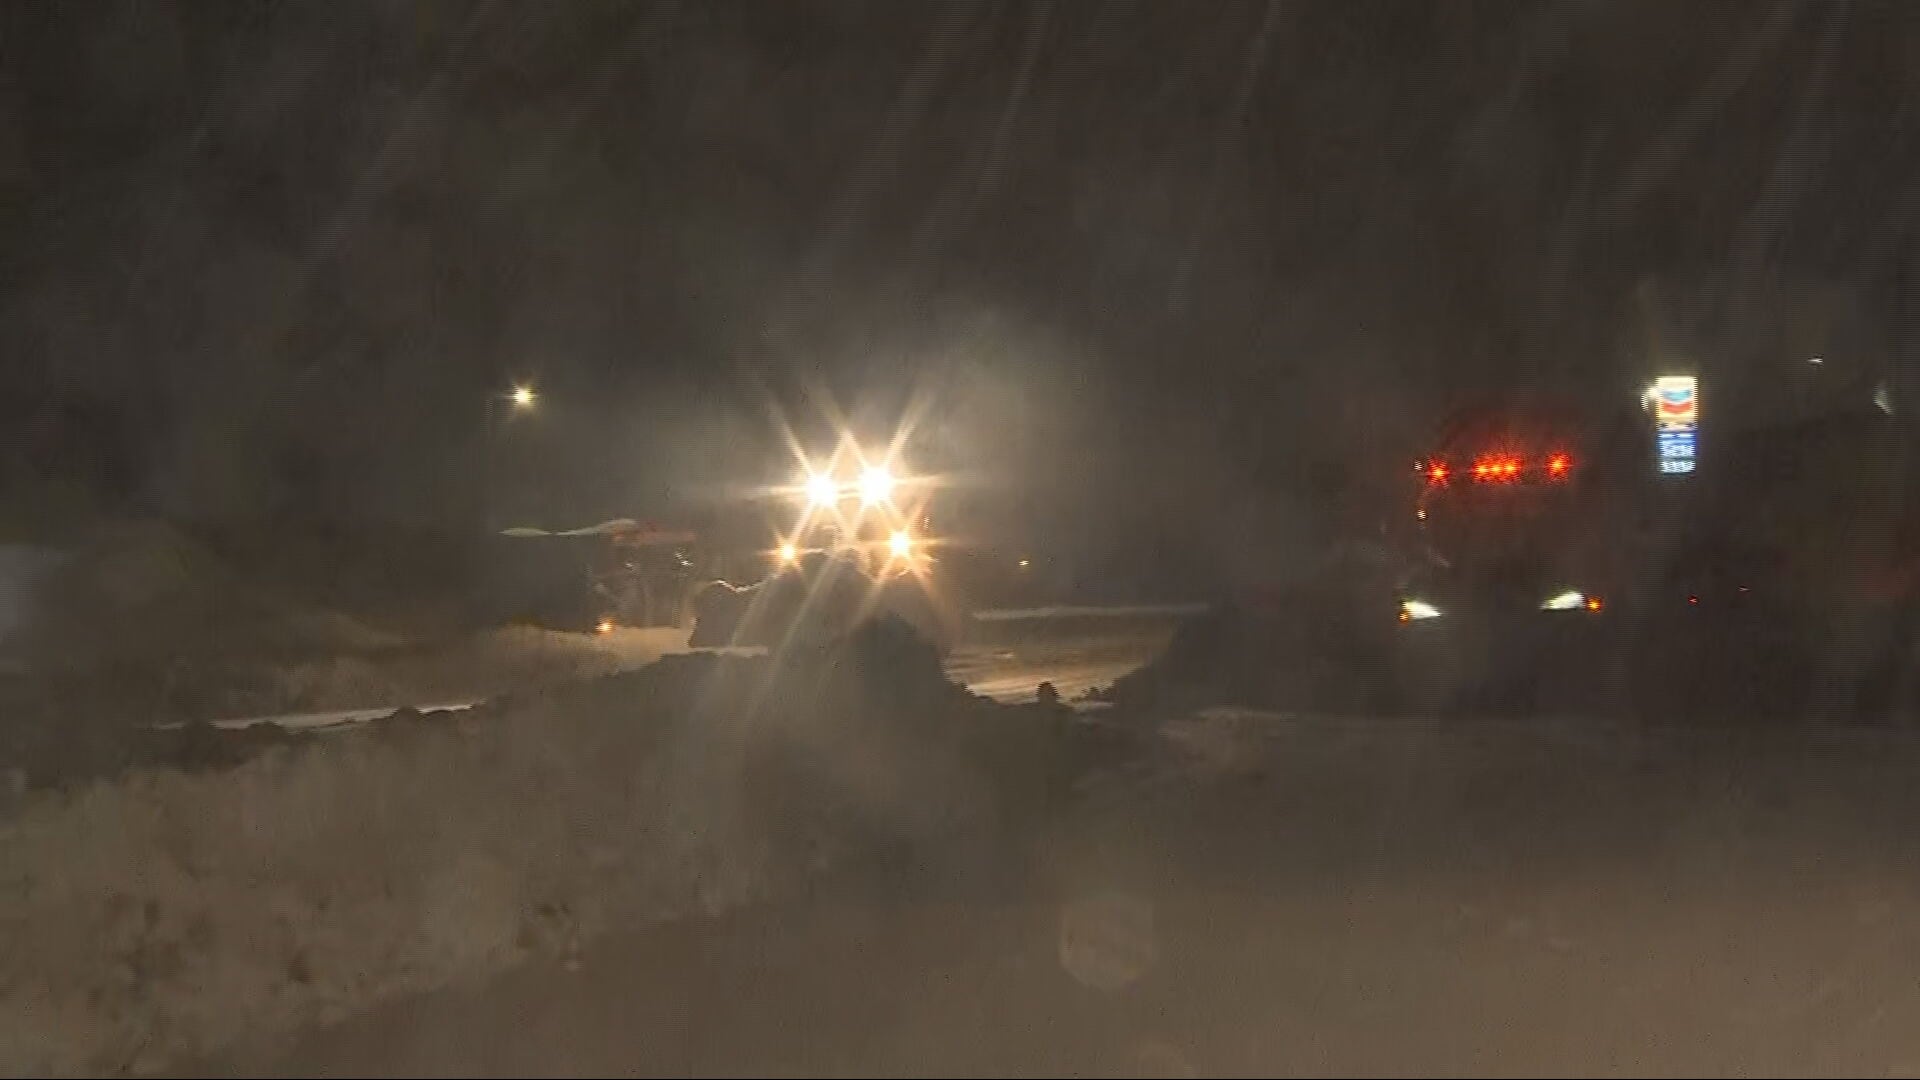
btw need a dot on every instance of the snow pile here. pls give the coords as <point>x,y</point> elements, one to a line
<point>170,915</point>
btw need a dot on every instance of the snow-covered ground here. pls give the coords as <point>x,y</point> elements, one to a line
<point>1281,894</point>
<point>1232,891</point>
<point>1247,892</point>
<point>168,914</point>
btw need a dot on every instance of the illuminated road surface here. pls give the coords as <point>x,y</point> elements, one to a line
<point>1075,649</point>
<point>1011,671</point>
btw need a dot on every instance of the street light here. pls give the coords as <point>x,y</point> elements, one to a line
<point>519,398</point>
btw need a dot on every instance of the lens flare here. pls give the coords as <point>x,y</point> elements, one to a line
<point>876,485</point>
<point>822,492</point>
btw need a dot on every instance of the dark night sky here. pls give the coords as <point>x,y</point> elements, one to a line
<point>1148,259</point>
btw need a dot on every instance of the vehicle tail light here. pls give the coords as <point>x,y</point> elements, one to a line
<point>1437,473</point>
<point>1559,465</point>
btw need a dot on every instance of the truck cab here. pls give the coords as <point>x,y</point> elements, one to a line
<point>1556,548</point>
<point>1521,512</point>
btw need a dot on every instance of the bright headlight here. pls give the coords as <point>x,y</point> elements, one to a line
<point>900,544</point>
<point>876,485</point>
<point>1571,600</point>
<point>822,492</point>
<point>1411,610</point>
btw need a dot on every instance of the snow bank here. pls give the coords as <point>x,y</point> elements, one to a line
<point>169,915</point>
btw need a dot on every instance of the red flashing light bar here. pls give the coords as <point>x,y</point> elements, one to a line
<point>1499,468</point>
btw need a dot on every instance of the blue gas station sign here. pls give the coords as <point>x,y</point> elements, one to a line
<point>1676,406</point>
<point>1677,450</point>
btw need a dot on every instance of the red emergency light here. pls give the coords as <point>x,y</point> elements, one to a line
<point>1500,467</point>
<point>1496,469</point>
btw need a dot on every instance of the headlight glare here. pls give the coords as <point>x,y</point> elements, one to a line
<point>876,485</point>
<point>822,491</point>
<point>1570,600</point>
<point>1413,610</point>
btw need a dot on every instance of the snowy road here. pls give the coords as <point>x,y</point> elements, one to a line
<point>1009,655</point>
<point>1077,649</point>
<point>1013,672</point>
